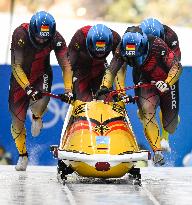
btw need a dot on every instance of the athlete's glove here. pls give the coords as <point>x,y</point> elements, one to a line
<point>162,86</point>
<point>66,97</point>
<point>102,91</point>
<point>33,93</point>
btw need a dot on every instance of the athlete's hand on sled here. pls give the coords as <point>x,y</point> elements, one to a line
<point>162,86</point>
<point>33,93</point>
<point>102,91</point>
<point>66,97</point>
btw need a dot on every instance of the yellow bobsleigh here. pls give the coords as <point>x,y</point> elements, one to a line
<point>97,141</point>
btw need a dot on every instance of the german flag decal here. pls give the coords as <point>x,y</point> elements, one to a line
<point>44,28</point>
<point>100,44</point>
<point>130,47</point>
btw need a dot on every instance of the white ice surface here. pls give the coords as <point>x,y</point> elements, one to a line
<point>38,185</point>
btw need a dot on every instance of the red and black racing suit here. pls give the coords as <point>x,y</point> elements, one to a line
<point>171,39</point>
<point>159,65</point>
<point>88,71</point>
<point>35,64</point>
<point>31,67</point>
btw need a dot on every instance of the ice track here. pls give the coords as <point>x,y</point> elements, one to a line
<point>39,186</point>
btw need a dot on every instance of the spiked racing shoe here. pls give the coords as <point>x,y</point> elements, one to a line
<point>158,158</point>
<point>22,162</point>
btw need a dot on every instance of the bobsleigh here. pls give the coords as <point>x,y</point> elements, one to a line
<point>97,141</point>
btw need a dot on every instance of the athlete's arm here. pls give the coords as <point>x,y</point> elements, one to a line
<point>60,49</point>
<point>174,73</point>
<point>172,62</point>
<point>115,65</point>
<point>17,57</point>
<point>19,75</point>
<point>171,39</point>
<point>76,44</point>
<point>74,48</point>
<point>120,78</point>
<point>121,74</point>
<point>116,41</point>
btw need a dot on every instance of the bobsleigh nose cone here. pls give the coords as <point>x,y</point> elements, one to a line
<point>102,166</point>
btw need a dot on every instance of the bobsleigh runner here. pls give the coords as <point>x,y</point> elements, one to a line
<point>97,141</point>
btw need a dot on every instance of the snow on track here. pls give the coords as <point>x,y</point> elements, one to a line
<point>39,185</point>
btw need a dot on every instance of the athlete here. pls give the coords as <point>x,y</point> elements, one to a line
<point>32,74</point>
<point>151,57</point>
<point>87,52</point>
<point>154,27</point>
